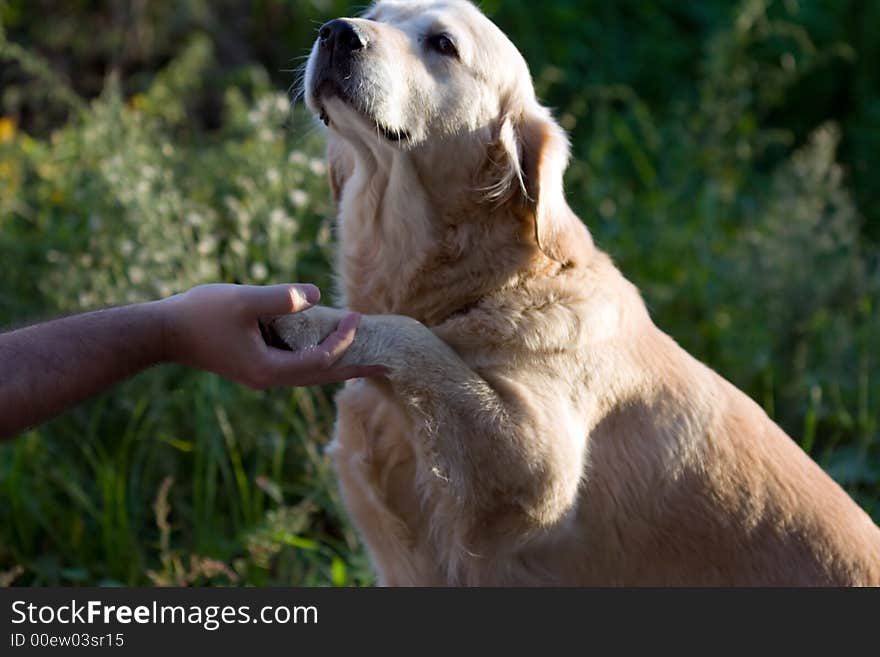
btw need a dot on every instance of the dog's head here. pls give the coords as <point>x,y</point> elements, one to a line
<point>439,81</point>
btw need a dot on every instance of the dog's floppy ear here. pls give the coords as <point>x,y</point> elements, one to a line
<point>340,162</point>
<point>544,158</point>
<point>536,153</point>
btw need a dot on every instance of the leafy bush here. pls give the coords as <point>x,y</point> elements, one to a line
<point>709,161</point>
<point>125,203</point>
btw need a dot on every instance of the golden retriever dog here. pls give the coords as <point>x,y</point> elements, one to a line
<point>533,427</point>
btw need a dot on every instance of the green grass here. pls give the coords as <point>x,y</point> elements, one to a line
<point>702,163</point>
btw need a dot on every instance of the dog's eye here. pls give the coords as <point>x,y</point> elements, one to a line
<point>443,44</point>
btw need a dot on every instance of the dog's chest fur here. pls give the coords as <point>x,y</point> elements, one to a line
<point>405,251</point>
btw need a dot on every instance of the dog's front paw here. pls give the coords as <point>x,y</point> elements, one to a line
<point>387,341</point>
<point>301,330</point>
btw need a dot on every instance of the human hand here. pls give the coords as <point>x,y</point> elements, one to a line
<point>216,328</point>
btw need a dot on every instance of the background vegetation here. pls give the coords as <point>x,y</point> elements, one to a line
<point>726,154</point>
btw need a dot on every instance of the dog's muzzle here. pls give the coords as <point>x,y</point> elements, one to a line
<point>340,38</point>
<point>338,43</point>
<point>341,46</point>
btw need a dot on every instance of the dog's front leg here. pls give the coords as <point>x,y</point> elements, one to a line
<point>504,461</point>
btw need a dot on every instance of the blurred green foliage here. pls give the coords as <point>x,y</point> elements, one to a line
<point>724,153</point>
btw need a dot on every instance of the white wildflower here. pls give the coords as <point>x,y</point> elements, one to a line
<point>247,184</point>
<point>207,245</point>
<point>238,247</point>
<point>243,216</point>
<point>299,198</point>
<point>277,217</point>
<point>259,272</point>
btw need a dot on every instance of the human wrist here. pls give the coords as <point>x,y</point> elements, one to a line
<point>165,313</point>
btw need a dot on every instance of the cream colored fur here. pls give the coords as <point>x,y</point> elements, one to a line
<point>534,427</point>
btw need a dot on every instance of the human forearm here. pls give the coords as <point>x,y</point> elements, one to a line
<point>49,367</point>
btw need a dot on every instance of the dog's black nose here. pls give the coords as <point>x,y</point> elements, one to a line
<point>341,36</point>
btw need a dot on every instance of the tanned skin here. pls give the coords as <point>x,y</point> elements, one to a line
<point>49,367</point>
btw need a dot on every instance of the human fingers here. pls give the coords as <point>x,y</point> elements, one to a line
<point>316,359</point>
<point>266,300</point>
